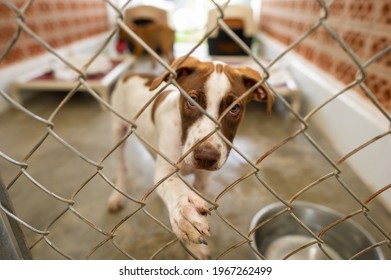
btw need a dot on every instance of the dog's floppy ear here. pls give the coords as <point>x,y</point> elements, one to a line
<point>182,66</point>
<point>263,94</point>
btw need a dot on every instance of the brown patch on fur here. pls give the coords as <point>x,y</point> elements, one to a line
<point>230,122</point>
<point>158,100</point>
<point>191,76</point>
<point>237,83</point>
<point>193,82</point>
<point>219,68</point>
<point>183,68</point>
<point>248,77</point>
<point>189,112</point>
<point>241,79</point>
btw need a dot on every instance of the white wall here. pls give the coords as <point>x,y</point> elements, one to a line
<point>348,121</point>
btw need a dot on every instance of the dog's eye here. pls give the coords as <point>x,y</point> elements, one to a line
<point>195,98</point>
<point>235,109</point>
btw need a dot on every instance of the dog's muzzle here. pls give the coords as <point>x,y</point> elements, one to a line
<point>206,157</point>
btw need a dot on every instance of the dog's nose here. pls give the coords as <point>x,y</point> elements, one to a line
<point>206,156</point>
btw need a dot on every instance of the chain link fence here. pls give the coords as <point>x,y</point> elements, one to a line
<point>108,239</point>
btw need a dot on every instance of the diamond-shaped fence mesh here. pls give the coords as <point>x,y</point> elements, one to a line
<point>62,221</point>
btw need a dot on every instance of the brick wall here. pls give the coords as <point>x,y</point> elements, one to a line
<point>58,22</point>
<point>365,25</point>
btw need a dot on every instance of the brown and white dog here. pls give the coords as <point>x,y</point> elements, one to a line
<point>173,125</point>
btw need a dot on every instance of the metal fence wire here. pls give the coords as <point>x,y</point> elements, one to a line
<point>44,236</point>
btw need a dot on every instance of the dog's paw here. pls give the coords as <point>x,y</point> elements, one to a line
<point>115,202</point>
<point>200,252</point>
<point>189,219</point>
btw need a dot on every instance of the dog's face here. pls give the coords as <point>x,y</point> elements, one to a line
<point>214,86</point>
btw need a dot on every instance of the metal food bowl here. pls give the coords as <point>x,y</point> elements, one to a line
<point>282,235</point>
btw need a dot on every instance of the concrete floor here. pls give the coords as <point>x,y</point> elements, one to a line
<point>83,125</point>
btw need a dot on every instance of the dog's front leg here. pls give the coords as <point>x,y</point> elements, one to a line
<point>201,179</point>
<point>187,211</point>
<point>117,200</point>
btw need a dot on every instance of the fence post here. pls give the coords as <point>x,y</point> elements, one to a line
<point>7,251</point>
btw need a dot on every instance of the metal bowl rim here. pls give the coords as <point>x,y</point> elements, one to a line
<point>276,205</point>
